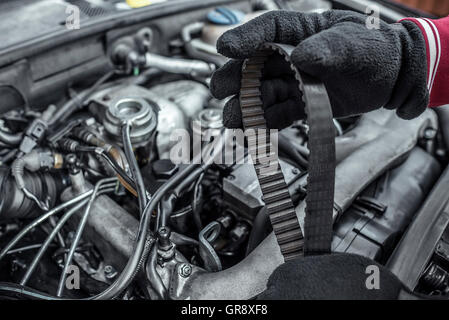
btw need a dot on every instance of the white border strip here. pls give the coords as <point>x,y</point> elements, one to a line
<point>437,35</point>
<point>434,44</point>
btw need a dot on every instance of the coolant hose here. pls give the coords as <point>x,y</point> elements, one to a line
<point>11,139</point>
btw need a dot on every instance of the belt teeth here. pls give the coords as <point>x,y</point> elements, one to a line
<point>255,126</point>
<point>273,186</point>
<point>249,92</point>
<point>294,249</point>
<point>255,120</point>
<point>268,168</point>
<point>271,179</point>
<point>252,73</point>
<point>276,176</point>
<point>276,195</point>
<point>260,147</point>
<point>253,135</point>
<point>283,216</point>
<point>288,236</point>
<point>251,102</point>
<point>279,205</point>
<point>292,255</point>
<point>252,111</point>
<point>250,83</point>
<point>287,225</point>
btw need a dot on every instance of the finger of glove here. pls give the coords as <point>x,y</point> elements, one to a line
<point>232,114</point>
<point>414,49</point>
<point>355,51</point>
<point>277,90</point>
<point>326,52</point>
<point>282,114</point>
<point>225,81</point>
<point>276,67</point>
<point>286,27</point>
<point>355,64</point>
<point>415,104</point>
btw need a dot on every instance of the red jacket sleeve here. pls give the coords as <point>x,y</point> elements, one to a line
<point>436,34</point>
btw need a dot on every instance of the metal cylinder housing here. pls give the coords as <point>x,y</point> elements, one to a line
<point>135,110</point>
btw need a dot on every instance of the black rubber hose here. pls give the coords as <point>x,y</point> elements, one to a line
<point>9,156</point>
<point>183,240</point>
<point>77,102</point>
<point>260,230</point>
<point>11,139</point>
<point>196,201</point>
<point>153,275</point>
<point>134,167</point>
<point>166,208</point>
<point>194,53</point>
<point>168,204</point>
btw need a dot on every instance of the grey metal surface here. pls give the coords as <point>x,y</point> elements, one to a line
<point>110,227</point>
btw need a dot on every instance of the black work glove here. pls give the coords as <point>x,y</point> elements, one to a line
<point>332,277</point>
<point>363,69</point>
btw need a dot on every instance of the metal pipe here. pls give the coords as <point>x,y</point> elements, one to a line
<point>103,182</point>
<point>50,238</point>
<point>179,66</point>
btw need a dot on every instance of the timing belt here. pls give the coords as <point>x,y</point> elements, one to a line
<point>318,221</point>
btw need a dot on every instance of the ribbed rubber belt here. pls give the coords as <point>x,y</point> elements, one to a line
<point>317,236</point>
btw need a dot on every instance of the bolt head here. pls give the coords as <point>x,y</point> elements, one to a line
<point>109,272</point>
<point>185,270</point>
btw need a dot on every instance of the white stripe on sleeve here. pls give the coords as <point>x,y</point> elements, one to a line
<point>432,49</point>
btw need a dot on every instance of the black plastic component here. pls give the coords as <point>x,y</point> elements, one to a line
<point>33,135</point>
<point>372,225</point>
<point>435,278</point>
<point>164,169</point>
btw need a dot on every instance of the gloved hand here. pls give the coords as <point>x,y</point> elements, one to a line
<point>363,69</point>
<point>332,277</point>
